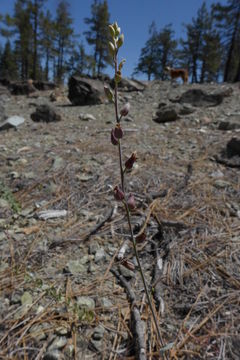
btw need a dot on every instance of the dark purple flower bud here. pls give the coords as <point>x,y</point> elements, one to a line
<point>131,202</point>
<point>118,133</point>
<point>114,140</point>
<point>129,163</point>
<point>141,238</point>
<point>118,194</point>
<point>125,110</point>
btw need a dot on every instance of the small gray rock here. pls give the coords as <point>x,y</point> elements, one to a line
<point>166,114</point>
<point>221,184</point>
<point>98,333</point>
<point>75,267</point>
<point>58,163</point>
<point>12,122</point>
<point>58,343</point>
<point>128,274</point>
<point>86,301</point>
<point>93,248</point>
<point>105,303</point>
<point>100,255</point>
<point>86,117</point>
<point>228,125</point>
<point>4,204</point>
<point>53,355</point>
<point>45,113</point>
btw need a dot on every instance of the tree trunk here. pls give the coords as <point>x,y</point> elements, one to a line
<point>47,65</point>
<point>231,48</point>
<point>35,26</point>
<point>194,72</point>
<point>203,70</point>
<point>237,77</point>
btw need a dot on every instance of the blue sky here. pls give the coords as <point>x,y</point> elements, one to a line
<point>134,18</point>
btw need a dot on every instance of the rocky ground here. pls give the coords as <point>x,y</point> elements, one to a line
<point>63,288</point>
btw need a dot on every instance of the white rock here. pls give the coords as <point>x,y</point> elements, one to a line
<point>12,122</point>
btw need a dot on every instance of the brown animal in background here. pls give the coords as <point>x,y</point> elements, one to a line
<point>178,73</point>
<point>30,87</point>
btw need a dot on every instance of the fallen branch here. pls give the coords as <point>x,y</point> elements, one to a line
<point>137,323</point>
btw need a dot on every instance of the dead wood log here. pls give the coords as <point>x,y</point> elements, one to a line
<point>138,326</point>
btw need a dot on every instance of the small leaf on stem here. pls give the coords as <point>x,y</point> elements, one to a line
<point>112,31</point>
<point>120,41</point>
<point>108,93</point>
<point>111,48</point>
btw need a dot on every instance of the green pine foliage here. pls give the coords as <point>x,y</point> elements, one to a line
<point>64,39</point>
<point>158,52</point>
<point>8,64</point>
<point>202,49</point>
<point>97,36</point>
<point>43,46</point>
<point>46,42</point>
<point>228,23</point>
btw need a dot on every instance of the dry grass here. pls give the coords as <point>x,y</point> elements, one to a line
<point>198,244</point>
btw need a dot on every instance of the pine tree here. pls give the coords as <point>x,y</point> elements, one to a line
<point>149,58</point>
<point>35,14</point>
<point>8,66</point>
<point>20,26</point>
<point>47,38</point>
<point>228,21</point>
<point>98,35</point>
<point>79,61</point>
<point>167,49</point>
<point>64,35</point>
<point>157,53</point>
<point>201,51</point>
<point>192,47</point>
<point>211,57</point>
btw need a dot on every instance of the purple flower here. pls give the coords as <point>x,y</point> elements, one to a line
<point>129,163</point>
<point>118,133</point>
<point>114,140</point>
<point>118,194</point>
<point>125,110</point>
<point>131,202</point>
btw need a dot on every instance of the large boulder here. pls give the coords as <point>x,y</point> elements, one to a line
<point>231,123</point>
<point>166,113</point>
<point>230,155</point>
<point>4,82</point>
<point>233,147</point>
<point>44,85</point>
<point>45,113</point>
<point>22,88</point>
<point>85,91</point>
<point>129,85</point>
<point>200,98</point>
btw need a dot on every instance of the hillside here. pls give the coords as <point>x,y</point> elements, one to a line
<point>62,295</point>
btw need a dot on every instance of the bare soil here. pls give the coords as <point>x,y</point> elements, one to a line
<point>188,205</point>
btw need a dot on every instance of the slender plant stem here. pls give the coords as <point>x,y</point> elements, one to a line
<point>122,172</point>
<point>142,274</point>
<point>116,89</point>
<point>121,165</point>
